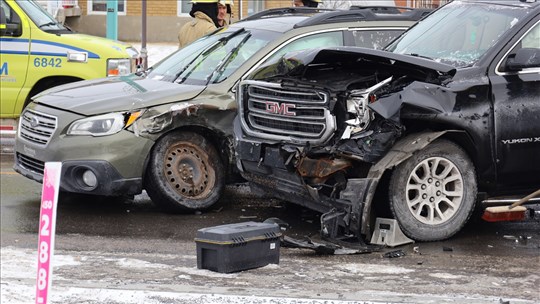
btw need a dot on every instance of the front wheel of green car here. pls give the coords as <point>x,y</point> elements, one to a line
<point>185,173</point>
<point>432,194</point>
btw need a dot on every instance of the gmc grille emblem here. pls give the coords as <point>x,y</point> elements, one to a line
<point>280,108</point>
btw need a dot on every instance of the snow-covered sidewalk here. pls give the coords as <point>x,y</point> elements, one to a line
<point>156,51</point>
<point>120,277</point>
<point>142,284</point>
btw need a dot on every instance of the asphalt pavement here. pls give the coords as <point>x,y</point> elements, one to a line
<point>128,251</point>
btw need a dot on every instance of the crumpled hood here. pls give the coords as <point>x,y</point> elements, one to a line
<point>113,94</point>
<point>296,63</point>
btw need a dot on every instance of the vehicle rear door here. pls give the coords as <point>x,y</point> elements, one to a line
<point>516,97</point>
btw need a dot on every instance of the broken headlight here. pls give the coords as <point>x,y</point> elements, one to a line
<point>103,125</point>
<point>357,105</point>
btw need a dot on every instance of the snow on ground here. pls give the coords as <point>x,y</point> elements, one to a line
<point>156,51</point>
<point>18,277</point>
<point>90,277</point>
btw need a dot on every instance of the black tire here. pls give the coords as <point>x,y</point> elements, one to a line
<point>185,173</point>
<point>433,205</point>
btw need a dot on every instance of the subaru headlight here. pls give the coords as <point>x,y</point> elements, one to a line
<point>118,67</point>
<point>103,125</point>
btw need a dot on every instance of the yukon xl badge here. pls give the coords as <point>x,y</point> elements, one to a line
<point>280,108</point>
<point>521,140</point>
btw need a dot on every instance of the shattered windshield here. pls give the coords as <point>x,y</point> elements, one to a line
<point>459,33</point>
<point>213,58</point>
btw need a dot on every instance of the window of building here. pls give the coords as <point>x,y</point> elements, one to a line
<point>255,6</point>
<point>100,6</point>
<point>183,7</point>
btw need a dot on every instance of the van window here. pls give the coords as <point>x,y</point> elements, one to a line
<point>10,20</point>
<point>41,17</point>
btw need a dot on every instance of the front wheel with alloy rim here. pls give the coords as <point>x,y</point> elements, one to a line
<point>432,194</point>
<point>185,173</point>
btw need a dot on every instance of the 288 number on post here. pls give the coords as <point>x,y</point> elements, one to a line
<point>44,248</point>
<point>47,228</point>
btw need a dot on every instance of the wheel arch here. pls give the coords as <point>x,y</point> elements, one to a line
<point>462,139</point>
<point>402,150</point>
<point>49,82</point>
<point>162,186</point>
<point>222,144</point>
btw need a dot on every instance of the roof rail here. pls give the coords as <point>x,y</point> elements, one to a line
<point>364,14</point>
<point>378,9</point>
<point>399,10</point>
<point>285,11</point>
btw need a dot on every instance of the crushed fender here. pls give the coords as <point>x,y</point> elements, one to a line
<point>153,122</point>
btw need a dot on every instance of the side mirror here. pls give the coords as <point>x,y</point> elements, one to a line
<point>10,29</point>
<point>523,59</point>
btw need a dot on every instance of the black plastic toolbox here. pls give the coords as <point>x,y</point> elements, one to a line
<point>237,247</point>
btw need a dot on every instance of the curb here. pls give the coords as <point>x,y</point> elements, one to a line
<point>7,144</point>
<point>7,133</point>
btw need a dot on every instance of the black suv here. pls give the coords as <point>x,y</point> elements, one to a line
<point>446,114</point>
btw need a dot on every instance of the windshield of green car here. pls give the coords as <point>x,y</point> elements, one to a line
<point>40,16</point>
<point>459,33</point>
<point>212,58</point>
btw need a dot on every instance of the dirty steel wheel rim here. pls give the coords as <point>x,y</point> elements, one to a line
<point>434,190</point>
<point>188,171</point>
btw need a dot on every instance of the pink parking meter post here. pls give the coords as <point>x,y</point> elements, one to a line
<point>47,227</point>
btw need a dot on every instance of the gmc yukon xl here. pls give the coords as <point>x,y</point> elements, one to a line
<point>446,116</point>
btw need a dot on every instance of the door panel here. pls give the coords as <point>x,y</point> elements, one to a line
<point>517,118</point>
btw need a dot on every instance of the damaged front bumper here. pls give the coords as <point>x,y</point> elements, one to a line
<point>269,168</point>
<point>279,171</point>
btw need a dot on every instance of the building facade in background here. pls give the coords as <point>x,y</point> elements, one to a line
<point>165,17</point>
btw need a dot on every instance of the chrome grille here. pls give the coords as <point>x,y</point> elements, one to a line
<point>300,113</point>
<point>31,164</point>
<point>270,124</point>
<point>37,127</point>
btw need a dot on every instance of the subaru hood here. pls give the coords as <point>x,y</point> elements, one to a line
<point>115,94</point>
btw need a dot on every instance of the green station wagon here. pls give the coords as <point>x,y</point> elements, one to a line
<point>169,130</point>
